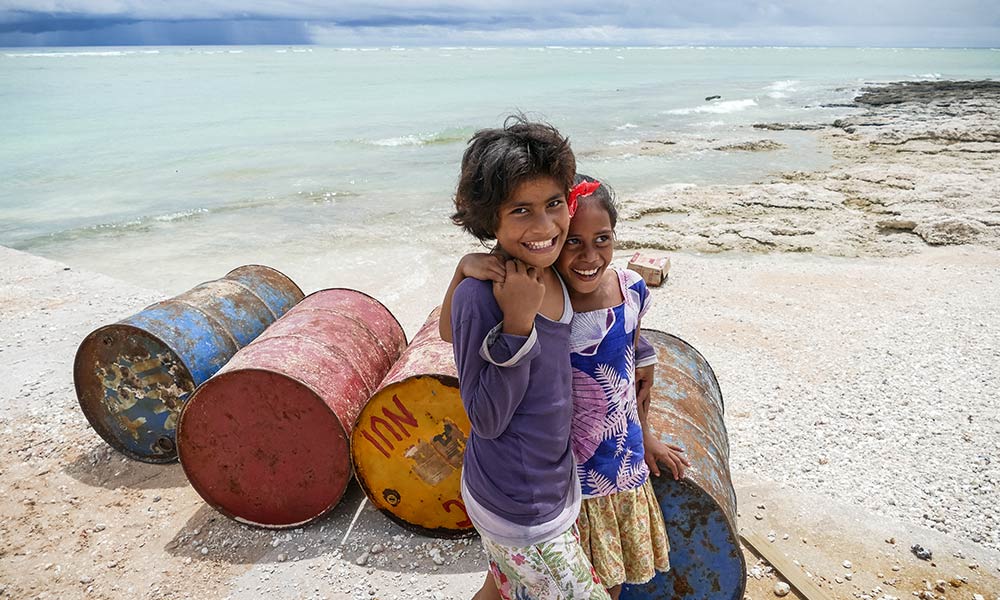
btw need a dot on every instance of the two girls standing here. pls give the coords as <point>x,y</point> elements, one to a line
<point>545,345</point>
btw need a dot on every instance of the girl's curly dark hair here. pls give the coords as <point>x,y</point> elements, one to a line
<point>496,161</point>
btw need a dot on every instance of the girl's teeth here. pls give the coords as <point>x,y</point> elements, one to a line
<point>538,245</point>
<point>587,273</point>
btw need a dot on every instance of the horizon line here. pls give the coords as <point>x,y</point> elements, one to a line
<point>514,45</point>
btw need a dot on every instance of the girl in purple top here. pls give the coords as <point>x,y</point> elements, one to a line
<point>620,521</point>
<point>511,344</point>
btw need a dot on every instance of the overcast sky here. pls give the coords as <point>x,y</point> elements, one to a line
<point>951,23</point>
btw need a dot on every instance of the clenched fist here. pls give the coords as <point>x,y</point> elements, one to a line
<point>519,296</point>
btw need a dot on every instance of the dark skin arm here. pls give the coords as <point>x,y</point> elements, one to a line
<point>656,452</point>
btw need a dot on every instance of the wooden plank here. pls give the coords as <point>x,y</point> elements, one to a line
<point>784,566</point>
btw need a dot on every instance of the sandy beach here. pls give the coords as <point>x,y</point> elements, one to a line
<point>852,316</point>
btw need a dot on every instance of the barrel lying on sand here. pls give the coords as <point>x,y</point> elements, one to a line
<point>133,377</point>
<point>686,409</point>
<point>409,440</point>
<point>265,441</point>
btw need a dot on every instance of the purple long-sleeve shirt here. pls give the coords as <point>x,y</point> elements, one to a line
<point>517,392</point>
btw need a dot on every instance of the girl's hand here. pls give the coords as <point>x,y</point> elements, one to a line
<point>482,266</point>
<point>519,296</point>
<point>669,454</point>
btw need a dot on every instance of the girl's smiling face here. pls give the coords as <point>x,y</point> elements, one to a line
<point>533,223</point>
<point>589,247</point>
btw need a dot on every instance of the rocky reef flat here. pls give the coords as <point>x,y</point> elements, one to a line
<point>916,165</point>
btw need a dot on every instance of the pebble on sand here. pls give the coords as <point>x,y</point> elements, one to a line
<point>921,552</point>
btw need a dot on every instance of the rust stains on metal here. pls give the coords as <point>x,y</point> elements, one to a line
<point>686,409</point>
<point>265,441</point>
<point>133,377</point>
<point>433,461</point>
<point>409,439</point>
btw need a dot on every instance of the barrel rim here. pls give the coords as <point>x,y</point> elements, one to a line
<point>275,316</point>
<point>210,501</point>
<point>227,334</point>
<point>442,377</point>
<point>340,354</point>
<point>439,376</point>
<point>272,269</point>
<point>385,352</point>
<point>238,284</point>
<point>711,371</point>
<point>439,532</point>
<point>406,342</point>
<point>95,424</point>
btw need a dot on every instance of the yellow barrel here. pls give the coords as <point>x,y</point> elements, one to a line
<point>409,439</point>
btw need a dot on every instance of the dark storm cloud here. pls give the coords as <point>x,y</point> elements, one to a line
<point>847,22</point>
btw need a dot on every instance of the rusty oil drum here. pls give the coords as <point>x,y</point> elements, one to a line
<point>265,441</point>
<point>133,377</point>
<point>409,440</point>
<point>686,409</point>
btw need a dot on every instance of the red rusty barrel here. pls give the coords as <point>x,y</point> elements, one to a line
<point>409,440</point>
<point>265,441</point>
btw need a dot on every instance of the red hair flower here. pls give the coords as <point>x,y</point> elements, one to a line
<point>580,190</point>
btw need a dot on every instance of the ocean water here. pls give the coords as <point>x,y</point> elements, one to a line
<point>168,166</point>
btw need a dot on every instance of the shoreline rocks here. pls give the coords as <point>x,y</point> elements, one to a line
<point>789,126</point>
<point>753,146</point>
<point>917,166</point>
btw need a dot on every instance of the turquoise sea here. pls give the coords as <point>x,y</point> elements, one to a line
<point>168,166</point>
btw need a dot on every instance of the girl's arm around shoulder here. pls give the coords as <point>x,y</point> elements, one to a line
<point>493,367</point>
<point>478,265</point>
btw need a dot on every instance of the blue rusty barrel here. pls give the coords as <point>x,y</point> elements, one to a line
<point>265,441</point>
<point>133,377</point>
<point>686,409</point>
<point>409,440</point>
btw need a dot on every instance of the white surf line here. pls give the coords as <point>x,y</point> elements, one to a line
<point>357,514</point>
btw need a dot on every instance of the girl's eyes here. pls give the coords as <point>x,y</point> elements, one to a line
<point>522,210</point>
<point>598,241</point>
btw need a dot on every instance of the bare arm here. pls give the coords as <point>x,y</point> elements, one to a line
<point>444,323</point>
<point>656,452</point>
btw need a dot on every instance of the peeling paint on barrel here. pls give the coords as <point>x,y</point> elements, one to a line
<point>133,377</point>
<point>409,440</point>
<point>686,409</point>
<point>265,441</point>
